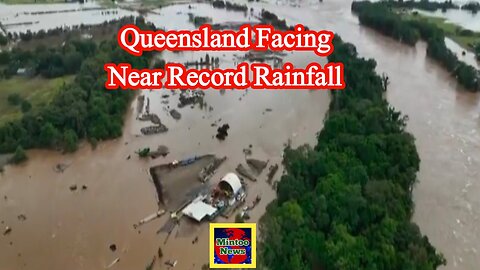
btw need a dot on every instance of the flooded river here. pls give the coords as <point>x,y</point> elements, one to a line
<point>74,229</point>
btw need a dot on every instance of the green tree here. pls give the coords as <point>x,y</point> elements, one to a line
<point>26,106</point>
<point>3,40</point>
<point>14,99</point>
<point>49,135</point>
<point>19,155</point>
<point>70,140</point>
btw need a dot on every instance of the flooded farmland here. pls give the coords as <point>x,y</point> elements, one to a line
<point>75,228</point>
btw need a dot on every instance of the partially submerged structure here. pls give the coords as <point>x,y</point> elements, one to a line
<point>227,196</point>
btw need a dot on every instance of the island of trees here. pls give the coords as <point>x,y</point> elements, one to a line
<point>347,203</point>
<point>382,17</point>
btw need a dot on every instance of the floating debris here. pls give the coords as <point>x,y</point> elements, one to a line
<point>208,171</point>
<point>171,263</point>
<point>247,151</point>
<point>154,129</point>
<point>271,172</point>
<point>113,263</point>
<point>140,103</point>
<point>162,150</point>
<point>257,165</point>
<point>73,187</point>
<point>245,173</point>
<point>175,114</point>
<point>150,117</point>
<point>151,264</point>
<point>149,218</point>
<point>113,247</point>
<point>7,230</point>
<point>189,97</point>
<point>60,167</point>
<point>222,132</point>
<point>22,217</point>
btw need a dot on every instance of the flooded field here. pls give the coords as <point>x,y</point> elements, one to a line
<point>464,18</point>
<point>20,18</point>
<point>79,226</point>
<point>65,228</point>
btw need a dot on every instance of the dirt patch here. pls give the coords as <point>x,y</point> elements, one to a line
<point>178,184</point>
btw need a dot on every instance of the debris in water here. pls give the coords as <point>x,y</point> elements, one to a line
<point>73,187</point>
<point>22,217</point>
<point>61,167</point>
<point>247,151</point>
<point>257,165</point>
<point>154,129</point>
<point>7,230</point>
<point>113,247</point>
<point>151,264</point>
<point>268,110</point>
<point>160,252</point>
<point>150,117</point>
<point>162,150</point>
<point>222,132</point>
<point>175,114</point>
<point>208,171</point>
<point>149,218</point>
<point>84,187</point>
<point>271,173</point>
<point>171,263</point>
<point>245,173</point>
<point>113,263</point>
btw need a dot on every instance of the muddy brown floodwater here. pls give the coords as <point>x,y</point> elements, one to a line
<point>444,120</point>
<point>74,229</point>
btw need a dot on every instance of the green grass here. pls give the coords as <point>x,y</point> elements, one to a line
<point>451,30</point>
<point>38,91</point>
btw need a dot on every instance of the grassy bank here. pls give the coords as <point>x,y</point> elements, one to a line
<point>463,37</point>
<point>37,91</point>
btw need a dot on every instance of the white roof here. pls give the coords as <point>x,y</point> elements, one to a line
<point>234,182</point>
<point>198,210</point>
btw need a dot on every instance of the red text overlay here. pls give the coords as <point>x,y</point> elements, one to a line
<point>255,75</point>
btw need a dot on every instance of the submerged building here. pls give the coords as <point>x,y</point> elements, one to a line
<point>226,196</point>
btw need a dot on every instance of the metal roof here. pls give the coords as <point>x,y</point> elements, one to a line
<point>234,182</point>
<point>198,210</point>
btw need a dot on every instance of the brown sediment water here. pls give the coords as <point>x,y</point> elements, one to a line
<point>74,229</point>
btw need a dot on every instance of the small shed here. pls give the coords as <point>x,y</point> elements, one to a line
<point>198,210</point>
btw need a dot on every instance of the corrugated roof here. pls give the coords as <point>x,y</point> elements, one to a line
<point>234,182</point>
<point>198,210</point>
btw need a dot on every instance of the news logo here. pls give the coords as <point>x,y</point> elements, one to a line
<point>233,245</point>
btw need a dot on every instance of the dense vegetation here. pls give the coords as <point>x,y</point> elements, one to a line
<point>347,203</point>
<point>3,40</point>
<point>49,63</point>
<point>381,17</point>
<point>434,5</point>
<point>82,109</point>
<point>425,5</point>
